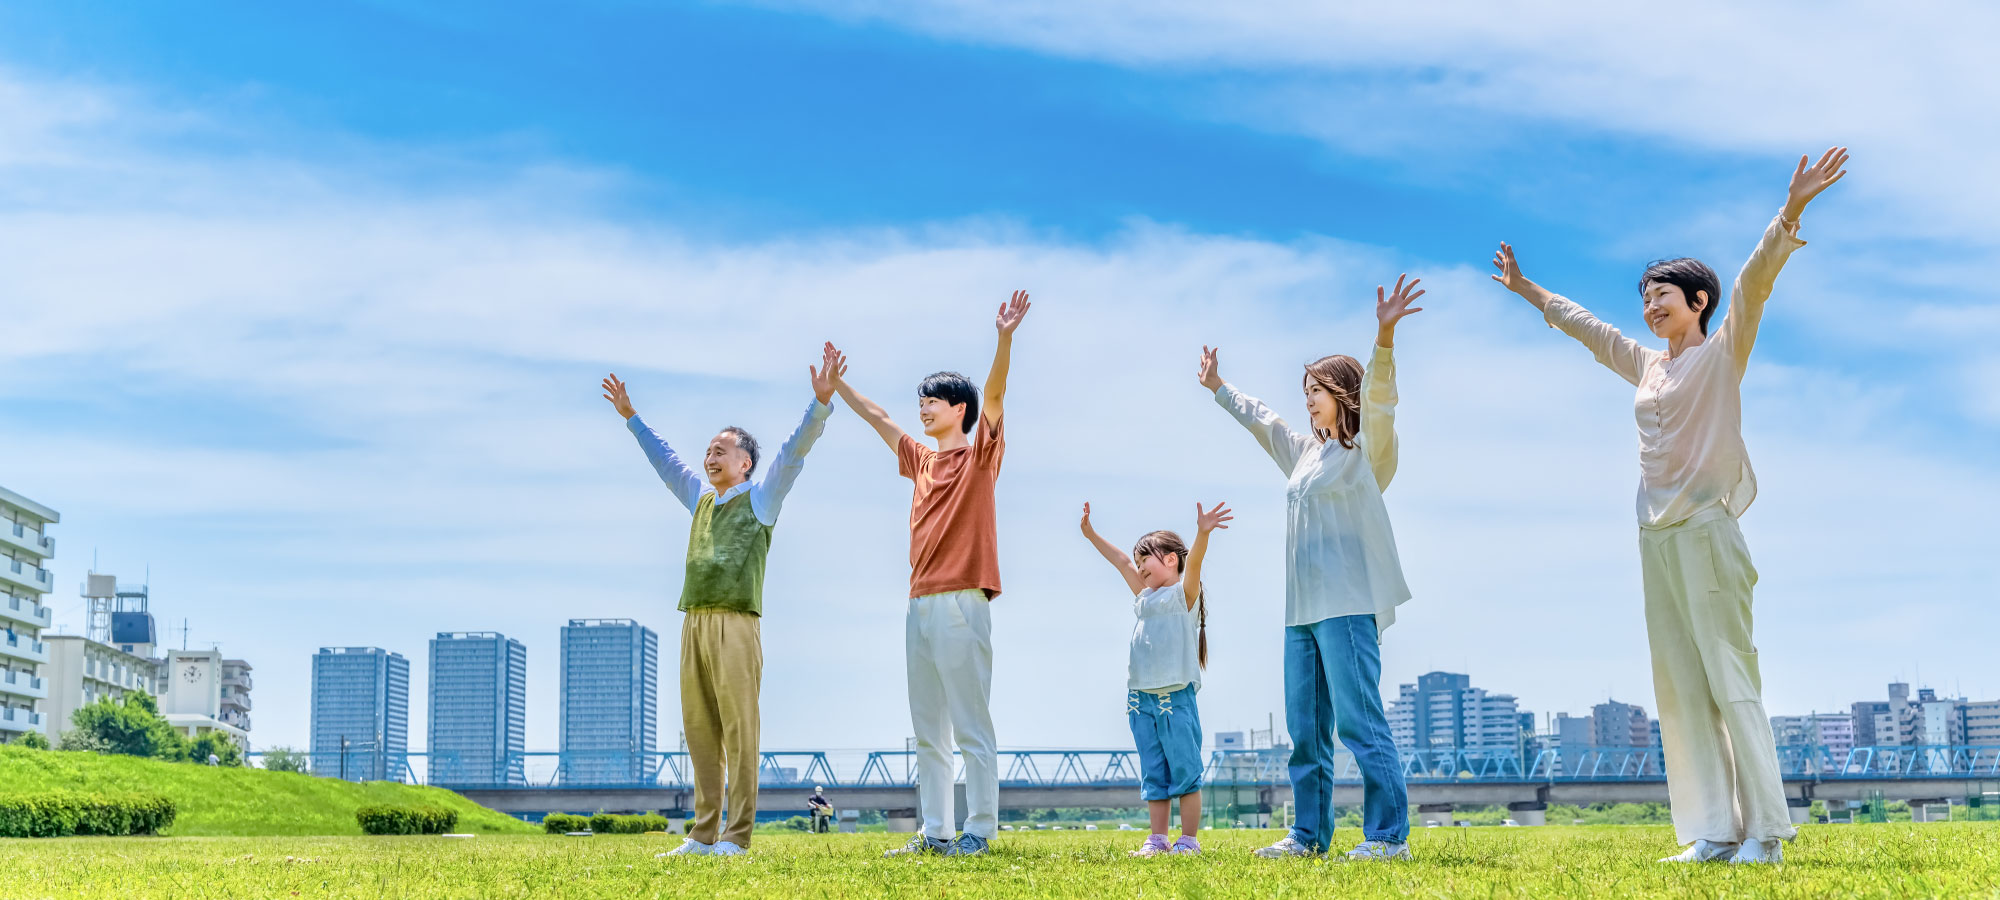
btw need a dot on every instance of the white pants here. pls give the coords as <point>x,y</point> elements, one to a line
<point>948,639</point>
<point>1722,763</point>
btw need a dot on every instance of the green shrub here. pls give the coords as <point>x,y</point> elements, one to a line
<point>562,823</point>
<point>609,823</point>
<point>405,819</point>
<point>65,813</point>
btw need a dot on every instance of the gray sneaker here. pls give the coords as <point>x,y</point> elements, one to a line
<point>967,844</point>
<point>921,845</point>
<point>1286,846</point>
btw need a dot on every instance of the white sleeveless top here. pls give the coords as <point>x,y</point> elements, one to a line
<point>1164,642</point>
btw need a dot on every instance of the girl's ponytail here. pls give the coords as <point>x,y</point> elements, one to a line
<point>1201,626</point>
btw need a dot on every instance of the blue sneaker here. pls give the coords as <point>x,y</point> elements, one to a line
<point>967,844</point>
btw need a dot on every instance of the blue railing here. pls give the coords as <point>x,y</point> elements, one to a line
<point>1120,768</point>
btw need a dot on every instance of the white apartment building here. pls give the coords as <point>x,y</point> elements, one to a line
<point>80,671</point>
<point>25,550</point>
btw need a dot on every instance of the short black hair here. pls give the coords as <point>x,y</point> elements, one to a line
<point>746,442</point>
<point>1690,275</point>
<point>953,389</point>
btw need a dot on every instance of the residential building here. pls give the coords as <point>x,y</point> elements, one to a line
<point>360,713</point>
<point>196,682</point>
<point>235,695</point>
<point>25,551</point>
<point>1864,714</point>
<point>479,709</point>
<point>1443,712</point>
<point>610,701</point>
<point>1618,724</point>
<point>1982,723</point>
<point>81,671</point>
<point>1830,735</point>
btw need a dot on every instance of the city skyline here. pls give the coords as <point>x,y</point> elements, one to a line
<point>316,336</point>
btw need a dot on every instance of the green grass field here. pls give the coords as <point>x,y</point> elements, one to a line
<point>1954,860</point>
<point>234,801</point>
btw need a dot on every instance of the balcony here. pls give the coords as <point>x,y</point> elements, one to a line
<point>240,701</point>
<point>240,682</point>
<point>23,684</point>
<point>26,575</point>
<point>27,540</point>
<point>26,648</point>
<point>23,610</point>
<point>20,720</point>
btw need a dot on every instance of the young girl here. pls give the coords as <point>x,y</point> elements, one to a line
<point>1169,650</point>
<point>1342,585</point>
<point>1723,784</point>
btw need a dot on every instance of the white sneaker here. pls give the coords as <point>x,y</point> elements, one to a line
<point>1702,851</point>
<point>1771,851</point>
<point>1382,850</point>
<point>1285,847</point>
<point>690,847</point>
<point>725,848</point>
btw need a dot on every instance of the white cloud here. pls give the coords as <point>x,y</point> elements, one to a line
<point>430,453</point>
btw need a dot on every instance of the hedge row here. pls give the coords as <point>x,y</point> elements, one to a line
<point>64,813</point>
<point>406,819</point>
<point>603,823</point>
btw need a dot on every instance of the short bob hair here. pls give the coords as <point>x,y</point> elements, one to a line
<point>953,389</point>
<point>1690,275</point>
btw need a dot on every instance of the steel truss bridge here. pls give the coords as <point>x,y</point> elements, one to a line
<point>536,782</point>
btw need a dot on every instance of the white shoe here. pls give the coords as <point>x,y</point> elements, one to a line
<point>725,848</point>
<point>1771,851</point>
<point>1285,847</point>
<point>1702,851</point>
<point>1382,850</point>
<point>690,847</point>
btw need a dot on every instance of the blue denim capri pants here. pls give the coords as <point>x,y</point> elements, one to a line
<point>1167,730</point>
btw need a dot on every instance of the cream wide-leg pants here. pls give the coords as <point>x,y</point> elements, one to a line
<point>948,642</point>
<point>1722,762</point>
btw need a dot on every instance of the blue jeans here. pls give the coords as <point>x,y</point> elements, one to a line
<point>1333,670</point>
<point>1167,731</point>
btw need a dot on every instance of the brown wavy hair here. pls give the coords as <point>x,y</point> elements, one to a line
<point>1340,374</point>
<point>1161,543</point>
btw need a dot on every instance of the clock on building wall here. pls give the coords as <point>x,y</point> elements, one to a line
<point>191,673</point>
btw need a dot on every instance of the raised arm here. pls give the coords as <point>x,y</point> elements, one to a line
<point>1616,351</point>
<point>1117,558</point>
<point>1378,380</point>
<point>768,496</point>
<point>1204,523</point>
<point>1277,438</point>
<point>684,482</point>
<point>1759,275</point>
<point>1009,318</point>
<point>876,417</point>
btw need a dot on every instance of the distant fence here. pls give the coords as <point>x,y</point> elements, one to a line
<point>1120,768</point>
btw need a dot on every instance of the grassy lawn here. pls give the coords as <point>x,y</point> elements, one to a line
<point>221,800</point>
<point>1934,860</point>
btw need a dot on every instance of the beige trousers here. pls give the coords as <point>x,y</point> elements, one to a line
<point>1722,762</point>
<point>722,666</point>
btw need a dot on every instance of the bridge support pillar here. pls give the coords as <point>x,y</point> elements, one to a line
<point>901,821</point>
<point>1799,808</point>
<point>1533,812</point>
<point>1434,812</point>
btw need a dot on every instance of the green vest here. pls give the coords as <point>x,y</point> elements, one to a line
<point>726,550</point>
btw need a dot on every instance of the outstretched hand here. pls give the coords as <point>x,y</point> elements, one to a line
<point>1807,183</point>
<point>1011,313</point>
<point>826,377</point>
<point>1213,519</point>
<point>1209,376</point>
<point>1393,307</point>
<point>614,391</point>
<point>1510,276</point>
<point>1085,524</point>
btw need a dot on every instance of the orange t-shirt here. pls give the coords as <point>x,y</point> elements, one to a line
<point>954,540</point>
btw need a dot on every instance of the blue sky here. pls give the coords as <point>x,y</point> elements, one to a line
<point>309,306</point>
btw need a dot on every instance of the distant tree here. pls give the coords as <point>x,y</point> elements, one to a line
<point>221,746</point>
<point>33,740</point>
<point>284,759</point>
<point>131,728</point>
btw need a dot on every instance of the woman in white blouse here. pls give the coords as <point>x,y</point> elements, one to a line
<point>1727,796</point>
<point>1343,583</point>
